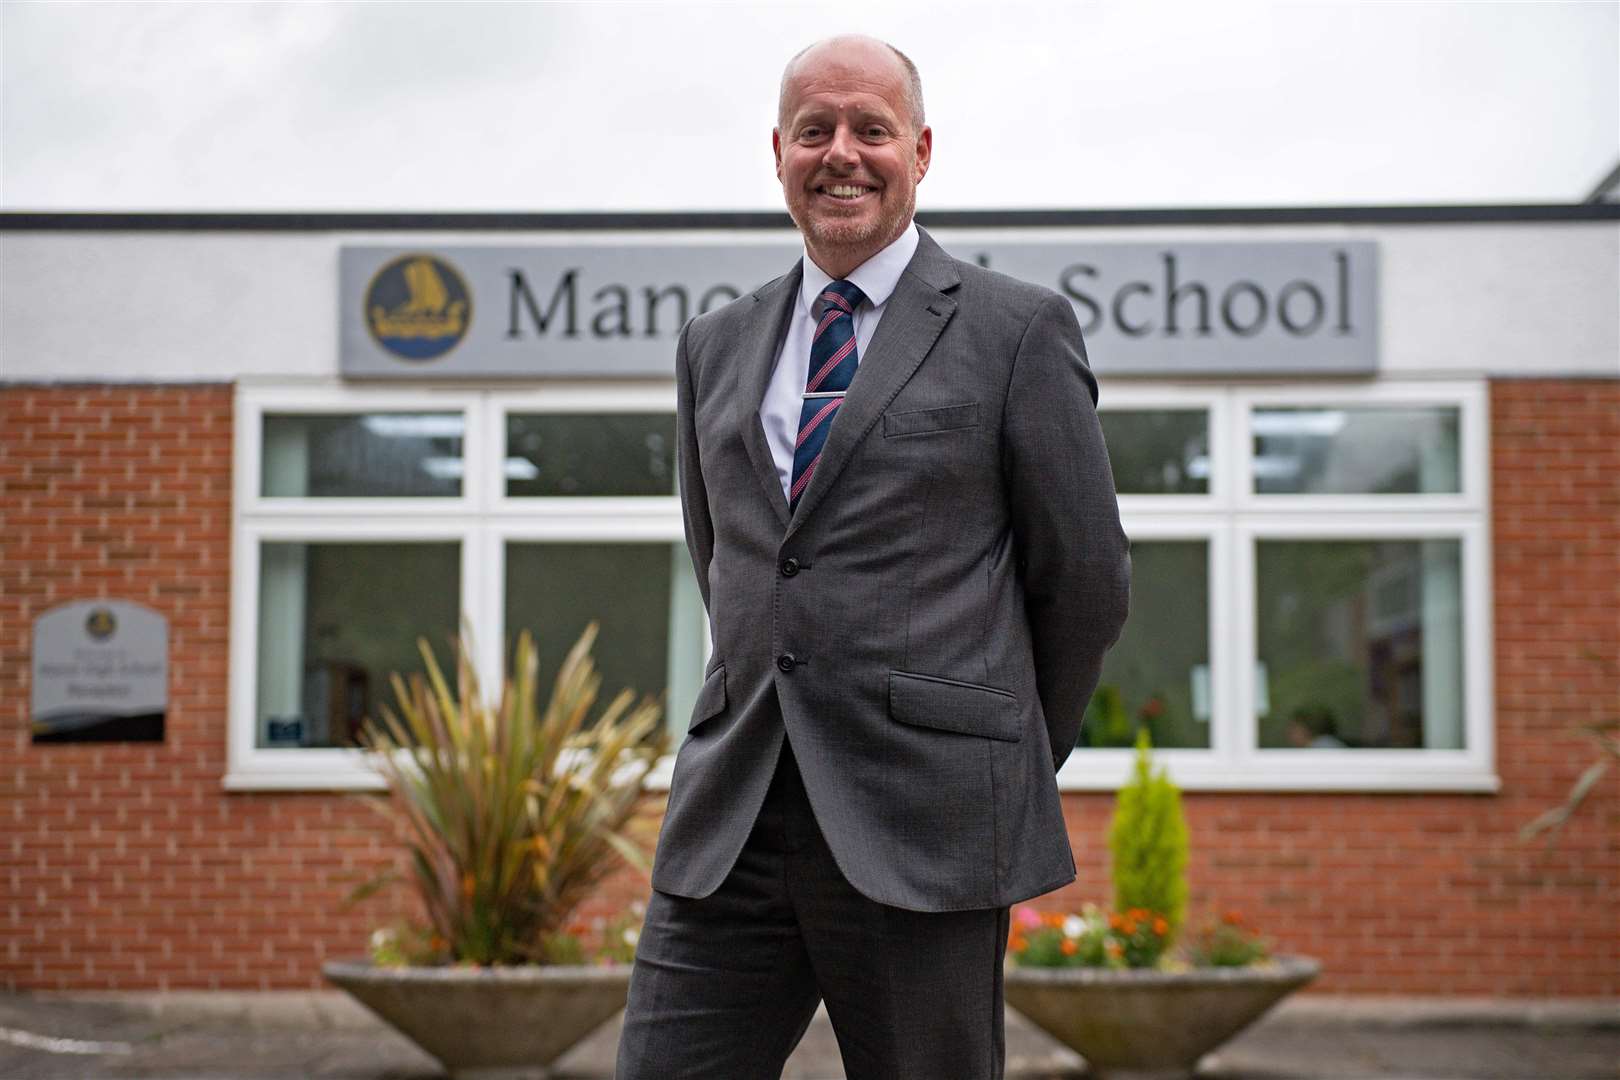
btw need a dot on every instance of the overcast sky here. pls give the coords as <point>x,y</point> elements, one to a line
<point>530,107</point>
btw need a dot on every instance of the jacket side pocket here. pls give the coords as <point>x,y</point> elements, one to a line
<point>949,705</point>
<point>711,700</point>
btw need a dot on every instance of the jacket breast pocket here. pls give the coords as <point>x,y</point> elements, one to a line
<point>711,699</point>
<point>948,705</point>
<point>925,421</point>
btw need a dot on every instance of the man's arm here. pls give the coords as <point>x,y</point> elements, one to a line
<point>1073,555</point>
<point>694,497</point>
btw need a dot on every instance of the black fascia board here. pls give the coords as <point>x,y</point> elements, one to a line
<point>475,221</point>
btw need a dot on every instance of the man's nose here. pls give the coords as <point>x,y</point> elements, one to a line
<point>843,152</point>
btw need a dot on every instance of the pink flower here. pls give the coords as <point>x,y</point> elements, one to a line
<point>1028,918</point>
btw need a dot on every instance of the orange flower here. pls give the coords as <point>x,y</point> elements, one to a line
<point>1129,927</point>
<point>1053,919</point>
<point>1114,920</point>
<point>1070,946</point>
<point>1160,927</point>
<point>1017,944</point>
<point>1233,918</point>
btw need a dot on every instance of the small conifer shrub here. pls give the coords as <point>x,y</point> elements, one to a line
<point>1148,841</point>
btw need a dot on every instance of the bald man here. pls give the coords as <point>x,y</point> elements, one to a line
<point>903,523</point>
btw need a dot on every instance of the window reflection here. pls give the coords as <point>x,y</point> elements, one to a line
<point>1360,644</point>
<point>1158,452</point>
<point>1355,451</point>
<point>567,454</point>
<point>335,621</point>
<point>374,455</point>
<point>1158,673</point>
<point>642,596</point>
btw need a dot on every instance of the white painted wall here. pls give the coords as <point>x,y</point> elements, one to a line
<point>1513,299</point>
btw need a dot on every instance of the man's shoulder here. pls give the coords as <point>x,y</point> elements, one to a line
<point>1001,299</point>
<point>730,316</point>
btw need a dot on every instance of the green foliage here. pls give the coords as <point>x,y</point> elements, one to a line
<point>1227,942</point>
<point>1056,940</point>
<point>403,945</point>
<point>1136,939</point>
<point>1148,841</point>
<point>513,814</point>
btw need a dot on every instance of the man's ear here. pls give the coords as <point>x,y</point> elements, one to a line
<point>776,149</point>
<point>925,151</point>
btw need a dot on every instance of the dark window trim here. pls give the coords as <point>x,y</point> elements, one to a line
<point>296,221</point>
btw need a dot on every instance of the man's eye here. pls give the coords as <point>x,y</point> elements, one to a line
<point>810,133</point>
<point>876,132</point>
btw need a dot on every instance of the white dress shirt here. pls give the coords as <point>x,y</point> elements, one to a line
<point>784,396</point>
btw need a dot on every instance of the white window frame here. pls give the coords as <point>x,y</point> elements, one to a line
<point>481,519</point>
<point>1230,518</point>
<point>1234,517</point>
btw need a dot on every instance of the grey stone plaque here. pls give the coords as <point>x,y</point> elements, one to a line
<point>1168,308</point>
<point>100,673</point>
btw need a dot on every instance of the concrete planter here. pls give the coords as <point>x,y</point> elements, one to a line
<point>1151,1025</point>
<point>502,1023</point>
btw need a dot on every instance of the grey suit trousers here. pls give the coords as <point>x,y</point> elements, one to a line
<point>724,987</point>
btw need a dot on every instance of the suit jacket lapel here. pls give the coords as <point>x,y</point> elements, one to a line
<point>773,305</point>
<point>912,321</point>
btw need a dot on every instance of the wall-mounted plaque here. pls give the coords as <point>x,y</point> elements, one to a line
<point>101,673</point>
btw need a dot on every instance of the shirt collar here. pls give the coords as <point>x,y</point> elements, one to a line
<point>876,277</point>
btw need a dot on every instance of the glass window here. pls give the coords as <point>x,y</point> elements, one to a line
<point>643,597</point>
<point>1158,452</point>
<point>1359,643</point>
<point>358,456</point>
<point>1158,673</point>
<point>1357,634</point>
<point>1401,450</point>
<point>590,454</point>
<point>335,620</point>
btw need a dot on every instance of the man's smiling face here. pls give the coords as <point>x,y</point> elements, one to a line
<point>847,152</point>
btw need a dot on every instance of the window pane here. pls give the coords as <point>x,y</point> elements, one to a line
<point>335,620</point>
<point>1158,673</point>
<point>645,600</point>
<point>359,456</point>
<point>1360,644</point>
<point>1358,451</point>
<point>597,454</point>
<point>1163,452</point>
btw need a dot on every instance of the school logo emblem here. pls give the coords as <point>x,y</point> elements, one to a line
<point>100,624</point>
<point>418,307</point>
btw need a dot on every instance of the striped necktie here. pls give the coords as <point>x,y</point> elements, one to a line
<point>833,359</point>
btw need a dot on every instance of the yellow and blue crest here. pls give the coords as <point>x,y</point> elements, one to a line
<point>418,307</point>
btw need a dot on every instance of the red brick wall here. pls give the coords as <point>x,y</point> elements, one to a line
<point>128,866</point>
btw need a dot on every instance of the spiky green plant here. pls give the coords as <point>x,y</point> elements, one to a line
<point>512,814</point>
<point>1148,840</point>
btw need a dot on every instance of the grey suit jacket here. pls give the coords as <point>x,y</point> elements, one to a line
<point>933,616</point>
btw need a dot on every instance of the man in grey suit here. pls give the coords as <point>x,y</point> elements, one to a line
<point>903,524</point>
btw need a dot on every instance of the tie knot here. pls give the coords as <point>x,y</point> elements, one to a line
<point>845,295</point>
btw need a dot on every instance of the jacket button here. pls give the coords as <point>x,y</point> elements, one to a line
<point>790,567</point>
<point>785,661</point>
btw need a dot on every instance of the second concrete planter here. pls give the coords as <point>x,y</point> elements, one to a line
<point>500,1023</point>
<point>1151,1025</point>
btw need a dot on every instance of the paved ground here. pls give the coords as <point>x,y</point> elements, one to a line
<point>323,1035</point>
